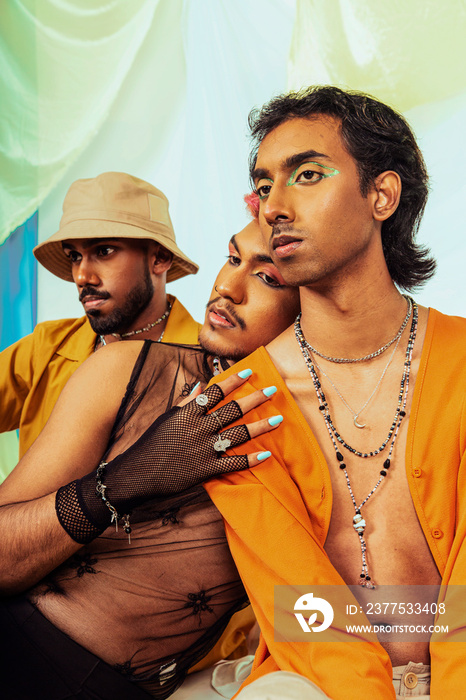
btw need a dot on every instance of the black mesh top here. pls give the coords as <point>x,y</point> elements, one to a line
<point>154,607</point>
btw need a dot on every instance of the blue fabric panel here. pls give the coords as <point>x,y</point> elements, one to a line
<point>18,283</point>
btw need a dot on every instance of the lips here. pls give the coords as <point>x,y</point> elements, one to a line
<point>220,317</point>
<point>285,245</point>
<point>93,302</point>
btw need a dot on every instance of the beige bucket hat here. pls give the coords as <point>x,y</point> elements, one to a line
<point>113,205</point>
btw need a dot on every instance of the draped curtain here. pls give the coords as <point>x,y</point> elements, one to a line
<point>412,56</point>
<point>162,88</point>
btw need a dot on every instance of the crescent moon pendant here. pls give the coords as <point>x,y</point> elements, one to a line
<point>358,425</point>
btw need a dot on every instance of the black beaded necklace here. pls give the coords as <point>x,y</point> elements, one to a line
<point>359,523</point>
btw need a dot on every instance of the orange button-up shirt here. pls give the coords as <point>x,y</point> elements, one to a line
<point>277,517</point>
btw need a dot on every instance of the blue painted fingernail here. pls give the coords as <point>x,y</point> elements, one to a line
<point>263,455</point>
<point>194,388</point>
<point>270,390</point>
<point>244,373</point>
<point>275,420</point>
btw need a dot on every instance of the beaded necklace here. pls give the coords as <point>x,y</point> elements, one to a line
<point>146,328</point>
<point>359,523</point>
<point>120,336</point>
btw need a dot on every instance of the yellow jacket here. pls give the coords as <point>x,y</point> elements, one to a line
<point>34,370</point>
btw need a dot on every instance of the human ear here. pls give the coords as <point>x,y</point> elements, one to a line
<point>160,259</point>
<point>387,193</point>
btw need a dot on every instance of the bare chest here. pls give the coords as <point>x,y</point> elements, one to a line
<point>374,529</point>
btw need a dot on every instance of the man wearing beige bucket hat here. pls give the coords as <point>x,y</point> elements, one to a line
<point>116,242</point>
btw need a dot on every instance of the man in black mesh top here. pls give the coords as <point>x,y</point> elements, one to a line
<point>148,609</point>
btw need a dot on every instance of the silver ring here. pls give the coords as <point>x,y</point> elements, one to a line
<point>221,444</point>
<point>202,400</point>
<point>215,413</point>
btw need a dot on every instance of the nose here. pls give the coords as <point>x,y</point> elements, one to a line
<point>84,273</point>
<point>277,206</point>
<point>230,285</point>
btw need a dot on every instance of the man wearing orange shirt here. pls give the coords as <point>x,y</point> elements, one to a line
<point>366,481</point>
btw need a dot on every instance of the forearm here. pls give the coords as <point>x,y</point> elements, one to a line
<point>69,447</point>
<point>33,543</point>
<point>45,531</point>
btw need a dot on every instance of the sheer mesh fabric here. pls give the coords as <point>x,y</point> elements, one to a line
<point>163,375</point>
<point>177,451</point>
<point>154,607</point>
<point>70,513</point>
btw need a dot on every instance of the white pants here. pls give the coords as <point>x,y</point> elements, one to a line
<point>410,681</point>
<point>224,680</point>
<point>280,685</point>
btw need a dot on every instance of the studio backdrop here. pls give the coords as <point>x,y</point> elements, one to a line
<point>162,89</point>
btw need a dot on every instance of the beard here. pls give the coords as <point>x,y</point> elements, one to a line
<point>120,319</point>
<point>230,353</point>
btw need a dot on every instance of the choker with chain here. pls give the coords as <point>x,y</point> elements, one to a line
<point>359,523</point>
<point>121,336</point>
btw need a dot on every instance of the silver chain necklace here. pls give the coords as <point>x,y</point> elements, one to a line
<point>120,336</point>
<point>342,360</point>
<point>359,524</point>
<point>345,402</point>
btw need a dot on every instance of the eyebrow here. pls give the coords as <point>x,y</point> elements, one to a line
<point>257,257</point>
<point>89,242</point>
<point>289,163</point>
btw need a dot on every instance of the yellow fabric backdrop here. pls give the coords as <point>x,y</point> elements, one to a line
<point>62,63</point>
<point>405,52</point>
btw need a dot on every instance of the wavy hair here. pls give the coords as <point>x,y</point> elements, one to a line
<point>379,139</point>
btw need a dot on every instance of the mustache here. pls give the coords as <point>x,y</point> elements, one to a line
<point>231,311</point>
<point>92,292</point>
<point>279,228</point>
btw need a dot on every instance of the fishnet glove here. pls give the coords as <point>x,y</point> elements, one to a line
<point>175,453</point>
